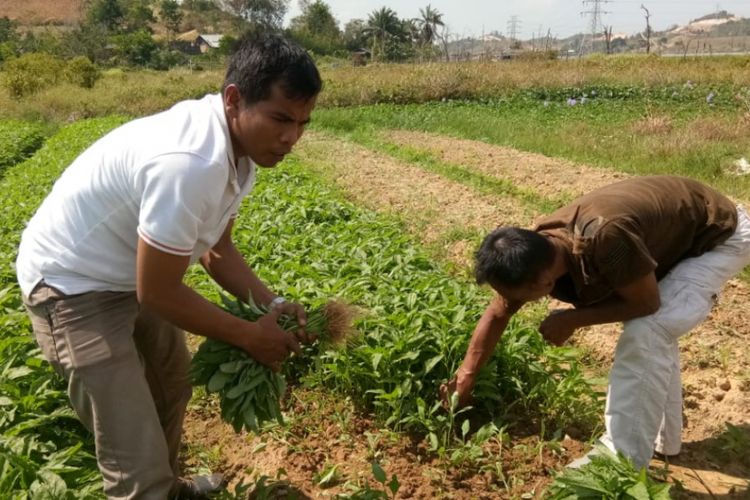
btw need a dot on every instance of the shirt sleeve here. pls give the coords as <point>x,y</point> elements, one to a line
<point>176,192</point>
<point>620,255</point>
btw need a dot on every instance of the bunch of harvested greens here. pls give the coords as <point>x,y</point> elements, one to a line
<point>249,392</point>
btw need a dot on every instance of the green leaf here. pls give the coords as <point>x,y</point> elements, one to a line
<point>394,485</point>
<point>432,362</point>
<point>378,473</point>
<point>217,381</point>
<point>638,491</point>
<point>329,478</point>
<point>375,360</point>
<point>236,391</point>
<point>231,367</point>
<point>434,444</point>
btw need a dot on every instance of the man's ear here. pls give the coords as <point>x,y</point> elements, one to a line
<point>232,99</point>
<point>545,279</point>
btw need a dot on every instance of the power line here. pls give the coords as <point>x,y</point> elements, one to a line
<point>514,26</point>
<point>595,12</point>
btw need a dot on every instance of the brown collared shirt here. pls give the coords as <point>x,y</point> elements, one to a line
<point>621,232</point>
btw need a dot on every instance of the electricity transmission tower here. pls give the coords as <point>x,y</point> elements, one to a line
<point>595,12</point>
<point>514,27</point>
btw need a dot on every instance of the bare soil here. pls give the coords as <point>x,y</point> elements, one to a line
<point>323,431</point>
<point>36,12</point>
<point>715,357</point>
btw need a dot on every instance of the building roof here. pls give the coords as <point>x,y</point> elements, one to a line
<point>212,40</point>
<point>188,36</point>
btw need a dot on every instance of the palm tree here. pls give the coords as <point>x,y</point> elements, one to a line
<point>429,22</point>
<point>382,24</point>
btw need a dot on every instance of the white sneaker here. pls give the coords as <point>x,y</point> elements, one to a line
<point>586,459</point>
<point>198,487</point>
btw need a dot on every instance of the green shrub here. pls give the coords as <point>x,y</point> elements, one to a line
<point>82,72</point>
<point>164,59</point>
<point>18,140</point>
<point>31,72</point>
<point>135,49</point>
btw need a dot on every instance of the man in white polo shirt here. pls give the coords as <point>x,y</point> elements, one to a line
<point>102,261</point>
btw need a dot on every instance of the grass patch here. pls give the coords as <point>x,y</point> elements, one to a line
<point>603,132</point>
<point>133,93</point>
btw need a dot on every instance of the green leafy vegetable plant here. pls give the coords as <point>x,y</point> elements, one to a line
<point>607,476</point>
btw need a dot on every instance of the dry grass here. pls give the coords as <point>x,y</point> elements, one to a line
<point>653,125</point>
<point>142,92</point>
<point>540,174</point>
<point>432,206</point>
<point>134,93</point>
<point>427,82</point>
<point>717,129</point>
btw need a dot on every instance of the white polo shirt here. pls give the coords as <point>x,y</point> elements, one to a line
<point>170,178</point>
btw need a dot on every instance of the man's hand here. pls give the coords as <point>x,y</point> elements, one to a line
<point>296,310</point>
<point>557,327</point>
<point>269,344</point>
<point>462,384</point>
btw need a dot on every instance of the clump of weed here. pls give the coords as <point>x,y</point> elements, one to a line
<point>653,125</point>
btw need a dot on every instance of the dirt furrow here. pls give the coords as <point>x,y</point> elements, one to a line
<point>437,210</point>
<point>551,178</point>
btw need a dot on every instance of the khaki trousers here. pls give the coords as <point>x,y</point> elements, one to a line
<point>644,398</point>
<point>127,376</point>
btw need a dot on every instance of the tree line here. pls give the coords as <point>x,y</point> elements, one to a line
<point>145,32</point>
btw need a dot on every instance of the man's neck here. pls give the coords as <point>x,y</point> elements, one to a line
<point>560,264</point>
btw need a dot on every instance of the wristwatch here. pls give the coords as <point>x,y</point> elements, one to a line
<point>276,302</point>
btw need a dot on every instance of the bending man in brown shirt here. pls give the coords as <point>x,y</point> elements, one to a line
<point>651,252</point>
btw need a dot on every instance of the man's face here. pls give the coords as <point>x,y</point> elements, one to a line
<point>266,130</point>
<point>528,292</point>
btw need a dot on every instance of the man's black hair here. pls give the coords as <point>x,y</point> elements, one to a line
<point>512,256</point>
<point>262,60</point>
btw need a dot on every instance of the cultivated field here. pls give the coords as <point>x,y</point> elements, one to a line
<point>382,205</point>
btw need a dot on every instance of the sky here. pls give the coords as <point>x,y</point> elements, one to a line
<point>562,17</point>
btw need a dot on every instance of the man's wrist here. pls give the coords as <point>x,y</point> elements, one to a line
<point>464,375</point>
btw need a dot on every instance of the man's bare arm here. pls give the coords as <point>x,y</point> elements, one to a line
<point>634,300</point>
<point>486,335</point>
<point>160,288</point>
<point>228,268</point>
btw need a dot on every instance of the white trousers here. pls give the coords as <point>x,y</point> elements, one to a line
<point>644,397</point>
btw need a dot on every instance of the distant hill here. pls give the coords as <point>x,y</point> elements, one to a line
<point>36,12</point>
<point>717,33</point>
<point>29,13</point>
